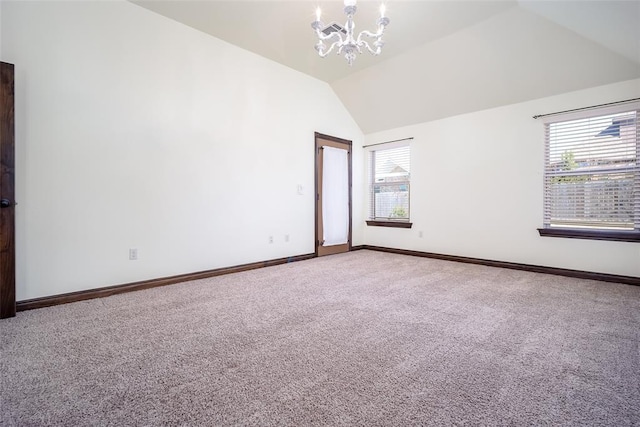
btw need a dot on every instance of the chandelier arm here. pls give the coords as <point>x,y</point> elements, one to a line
<point>328,51</point>
<point>371,51</point>
<point>375,35</point>
<point>320,47</point>
<point>378,43</point>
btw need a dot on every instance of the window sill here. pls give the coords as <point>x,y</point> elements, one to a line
<point>611,235</point>
<point>394,224</point>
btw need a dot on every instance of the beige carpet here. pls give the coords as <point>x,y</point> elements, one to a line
<point>364,338</point>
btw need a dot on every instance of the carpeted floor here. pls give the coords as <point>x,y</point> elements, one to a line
<point>363,338</point>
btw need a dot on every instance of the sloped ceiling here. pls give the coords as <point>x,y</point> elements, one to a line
<point>512,57</point>
<point>442,57</point>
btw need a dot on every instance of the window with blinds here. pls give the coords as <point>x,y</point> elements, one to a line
<point>592,173</point>
<point>389,183</point>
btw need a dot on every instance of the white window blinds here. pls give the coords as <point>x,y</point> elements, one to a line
<point>592,172</point>
<point>389,183</point>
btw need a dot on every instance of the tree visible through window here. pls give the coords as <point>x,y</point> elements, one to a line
<point>592,173</point>
<point>390,172</point>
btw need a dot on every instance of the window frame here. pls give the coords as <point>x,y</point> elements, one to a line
<point>382,221</point>
<point>577,232</point>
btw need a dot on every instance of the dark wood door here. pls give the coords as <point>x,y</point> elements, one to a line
<point>7,203</point>
<point>342,144</point>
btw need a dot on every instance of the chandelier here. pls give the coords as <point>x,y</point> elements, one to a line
<point>345,42</point>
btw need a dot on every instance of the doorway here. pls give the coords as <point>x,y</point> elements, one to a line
<point>7,204</point>
<point>333,195</point>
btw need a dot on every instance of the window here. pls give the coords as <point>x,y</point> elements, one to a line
<point>592,176</point>
<point>389,185</point>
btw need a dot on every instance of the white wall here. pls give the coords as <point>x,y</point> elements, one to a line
<point>476,188</point>
<point>134,131</point>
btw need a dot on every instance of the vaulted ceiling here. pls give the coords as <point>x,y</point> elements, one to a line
<point>441,57</point>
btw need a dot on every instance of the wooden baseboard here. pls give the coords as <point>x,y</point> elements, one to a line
<point>147,284</point>
<point>628,280</point>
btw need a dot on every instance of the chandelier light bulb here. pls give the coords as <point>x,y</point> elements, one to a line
<point>349,2</point>
<point>383,9</point>
<point>318,13</point>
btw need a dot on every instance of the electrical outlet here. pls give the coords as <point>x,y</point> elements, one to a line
<point>270,239</point>
<point>286,237</point>
<point>420,234</point>
<point>133,254</point>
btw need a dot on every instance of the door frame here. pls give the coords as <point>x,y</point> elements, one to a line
<point>345,145</point>
<point>7,191</point>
